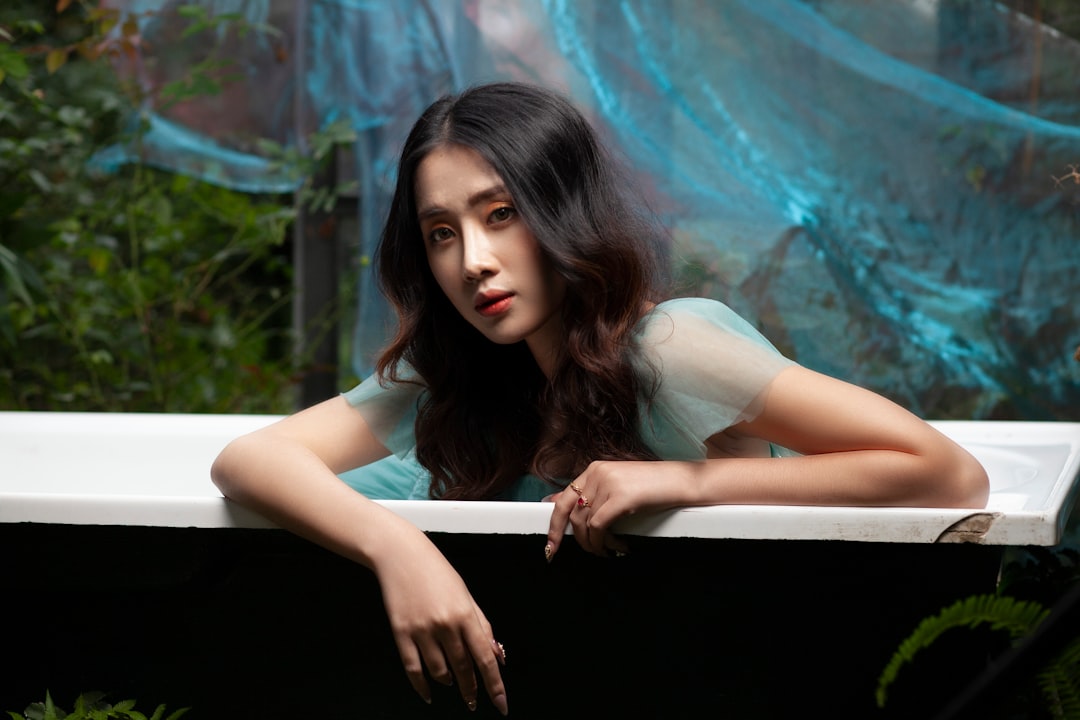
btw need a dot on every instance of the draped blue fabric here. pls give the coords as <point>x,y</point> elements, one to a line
<point>882,186</point>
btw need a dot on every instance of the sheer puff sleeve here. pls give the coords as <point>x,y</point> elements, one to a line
<point>389,409</point>
<point>710,369</point>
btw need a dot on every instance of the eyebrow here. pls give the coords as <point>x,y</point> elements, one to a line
<point>473,200</point>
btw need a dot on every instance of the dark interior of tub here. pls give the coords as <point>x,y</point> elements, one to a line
<point>259,624</point>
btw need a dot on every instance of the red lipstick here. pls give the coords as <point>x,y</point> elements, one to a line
<point>494,302</point>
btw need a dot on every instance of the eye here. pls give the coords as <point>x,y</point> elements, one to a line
<point>440,234</point>
<point>502,214</point>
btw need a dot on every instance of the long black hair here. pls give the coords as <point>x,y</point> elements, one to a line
<point>489,415</point>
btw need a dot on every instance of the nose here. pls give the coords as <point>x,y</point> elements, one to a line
<point>478,259</point>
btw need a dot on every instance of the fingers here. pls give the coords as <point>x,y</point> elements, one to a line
<point>461,663</point>
<point>587,532</point>
<point>451,657</point>
<point>488,654</point>
<point>565,502</point>
<point>588,515</point>
<point>414,668</point>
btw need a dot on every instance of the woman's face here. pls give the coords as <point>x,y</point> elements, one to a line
<point>483,256</point>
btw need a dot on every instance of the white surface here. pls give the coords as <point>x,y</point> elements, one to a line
<point>153,470</point>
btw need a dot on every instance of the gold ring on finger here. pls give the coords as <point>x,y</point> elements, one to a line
<point>583,501</point>
<point>578,490</point>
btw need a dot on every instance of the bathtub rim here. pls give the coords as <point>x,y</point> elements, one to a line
<point>209,509</point>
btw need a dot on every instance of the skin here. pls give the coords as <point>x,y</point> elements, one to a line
<point>864,451</point>
<point>478,248</point>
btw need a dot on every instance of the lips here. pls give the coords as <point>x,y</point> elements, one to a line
<point>494,302</point>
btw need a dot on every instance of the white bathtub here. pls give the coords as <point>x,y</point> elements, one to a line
<point>153,470</point>
<point>114,538</point>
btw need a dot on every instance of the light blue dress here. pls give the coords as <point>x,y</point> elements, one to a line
<point>713,369</point>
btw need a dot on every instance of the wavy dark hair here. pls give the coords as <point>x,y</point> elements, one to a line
<point>489,415</point>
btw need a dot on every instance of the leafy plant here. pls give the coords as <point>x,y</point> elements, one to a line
<point>92,706</point>
<point>134,290</point>
<point>1018,618</point>
<point>1043,571</point>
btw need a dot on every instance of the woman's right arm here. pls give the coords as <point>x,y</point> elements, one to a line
<point>288,472</point>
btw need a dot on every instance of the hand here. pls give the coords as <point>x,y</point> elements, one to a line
<point>437,624</point>
<point>607,491</point>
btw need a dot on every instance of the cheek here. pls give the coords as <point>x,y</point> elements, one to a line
<point>438,266</point>
<point>445,275</point>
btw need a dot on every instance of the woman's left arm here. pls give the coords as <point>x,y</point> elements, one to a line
<point>858,448</point>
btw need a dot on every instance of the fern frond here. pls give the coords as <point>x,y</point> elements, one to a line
<point>1017,617</point>
<point>1060,683</point>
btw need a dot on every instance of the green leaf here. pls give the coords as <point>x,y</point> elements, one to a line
<point>10,265</point>
<point>13,63</point>
<point>1017,617</point>
<point>1060,683</point>
<point>55,59</point>
<point>40,180</point>
<point>191,11</point>
<point>50,708</point>
<point>194,28</point>
<point>33,27</point>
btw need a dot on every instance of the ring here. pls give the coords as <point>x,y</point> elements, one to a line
<point>579,491</point>
<point>583,501</point>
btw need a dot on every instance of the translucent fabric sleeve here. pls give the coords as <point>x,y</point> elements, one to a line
<point>712,368</point>
<point>389,409</point>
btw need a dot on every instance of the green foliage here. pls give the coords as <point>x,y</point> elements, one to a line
<point>302,165</point>
<point>92,706</point>
<point>1017,617</point>
<point>1060,683</point>
<point>136,290</point>
<point>1043,573</point>
<point>212,73</point>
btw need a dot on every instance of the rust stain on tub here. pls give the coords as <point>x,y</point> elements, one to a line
<point>971,529</point>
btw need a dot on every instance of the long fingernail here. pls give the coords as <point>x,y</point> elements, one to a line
<point>549,549</point>
<point>499,701</point>
<point>471,704</point>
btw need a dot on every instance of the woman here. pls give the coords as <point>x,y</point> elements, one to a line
<point>533,358</point>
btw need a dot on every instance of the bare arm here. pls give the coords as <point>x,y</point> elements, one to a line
<point>288,472</point>
<point>858,449</point>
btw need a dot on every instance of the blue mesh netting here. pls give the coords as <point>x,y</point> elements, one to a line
<point>871,181</point>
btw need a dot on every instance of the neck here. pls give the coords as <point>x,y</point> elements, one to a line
<point>545,344</point>
<point>545,354</point>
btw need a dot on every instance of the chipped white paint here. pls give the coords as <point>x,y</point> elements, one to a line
<point>153,470</point>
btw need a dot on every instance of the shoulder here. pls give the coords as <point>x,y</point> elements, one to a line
<point>389,408</point>
<point>684,323</point>
<point>699,346</point>
<point>376,389</point>
<point>707,366</point>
